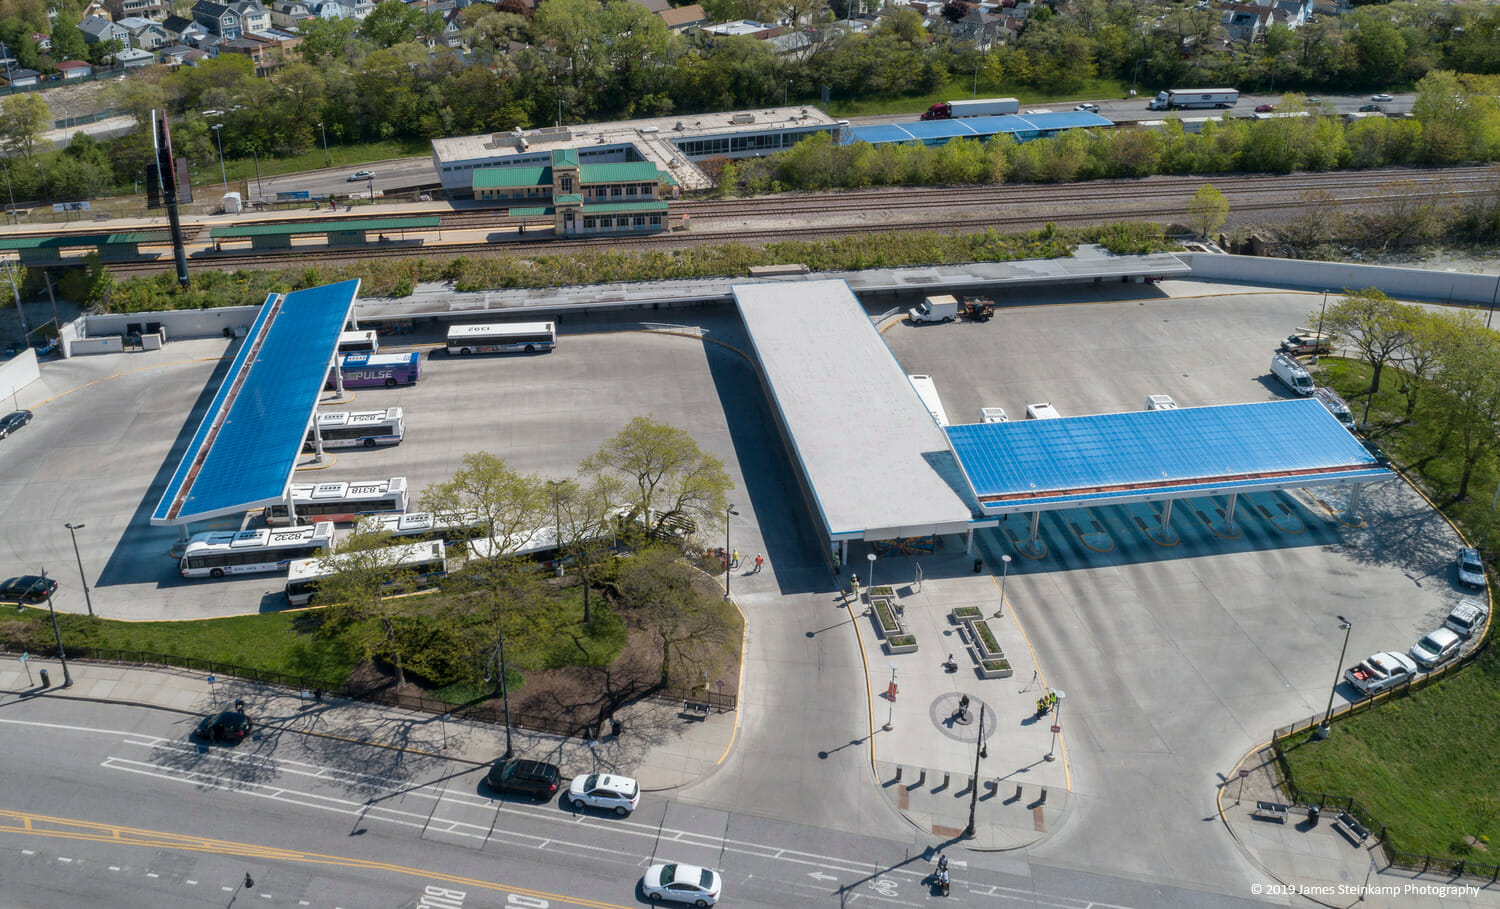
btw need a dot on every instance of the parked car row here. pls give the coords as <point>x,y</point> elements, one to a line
<point>1382,671</point>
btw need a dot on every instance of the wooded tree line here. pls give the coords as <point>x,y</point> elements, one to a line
<point>648,477</point>
<point>1449,362</point>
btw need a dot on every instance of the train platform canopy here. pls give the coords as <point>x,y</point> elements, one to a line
<point>1144,456</point>
<point>348,225</point>
<point>245,450</point>
<point>874,464</point>
<point>937,132</point>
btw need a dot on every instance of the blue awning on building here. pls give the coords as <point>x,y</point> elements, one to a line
<point>245,450</point>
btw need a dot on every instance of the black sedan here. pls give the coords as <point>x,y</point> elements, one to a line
<point>227,726</point>
<point>28,588</point>
<point>534,778</point>
<point>13,421</point>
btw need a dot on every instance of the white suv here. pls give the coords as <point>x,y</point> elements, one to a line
<point>619,794</point>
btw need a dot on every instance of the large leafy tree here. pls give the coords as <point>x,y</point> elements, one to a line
<point>666,476</point>
<point>1373,324</point>
<point>23,119</point>
<point>510,502</point>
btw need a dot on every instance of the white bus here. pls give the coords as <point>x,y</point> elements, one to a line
<point>515,337</point>
<point>425,525</point>
<point>214,555</point>
<point>540,543</point>
<point>342,503</point>
<point>368,428</point>
<point>413,566</point>
<point>927,391</point>
<point>358,342</point>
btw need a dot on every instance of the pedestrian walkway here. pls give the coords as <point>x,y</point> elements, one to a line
<point>1309,858</point>
<point>660,744</point>
<point>923,747</point>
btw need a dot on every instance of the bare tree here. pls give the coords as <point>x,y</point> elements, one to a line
<point>658,586</point>
<point>670,479</point>
<point>512,504</point>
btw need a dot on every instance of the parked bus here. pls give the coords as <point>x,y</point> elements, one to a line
<point>342,503</point>
<point>413,566</point>
<point>452,529</point>
<point>372,370</point>
<point>352,342</point>
<point>515,337</point>
<point>213,555</point>
<point>540,543</point>
<point>366,428</point>
<point>927,391</point>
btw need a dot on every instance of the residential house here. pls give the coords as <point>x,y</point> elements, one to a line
<point>19,76</point>
<point>790,44</point>
<point>1245,22</point>
<point>75,69</point>
<point>176,54</point>
<point>43,42</point>
<point>683,18</point>
<point>343,9</point>
<point>183,30</point>
<point>94,8</point>
<point>134,58</point>
<point>268,50</point>
<point>655,6</point>
<point>291,14</point>
<point>744,28</point>
<point>144,33</point>
<point>146,9</point>
<point>97,30</point>
<point>231,20</point>
<point>982,27</point>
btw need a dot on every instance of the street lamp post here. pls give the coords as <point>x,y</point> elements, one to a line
<point>57,633</point>
<point>1004,573</point>
<point>324,131</point>
<point>219,134</point>
<point>890,716</point>
<point>504,691</point>
<point>974,793</point>
<point>11,193</point>
<point>870,579</point>
<point>556,487</point>
<point>559,113</point>
<point>1056,723</point>
<point>1319,339</point>
<point>786,92</point>
<point>729,512</point>
<point>1487,318</point>
<point>1134,76</point>
<point>260,191</point>
<point>1323,727</point>
<point>82,578</point>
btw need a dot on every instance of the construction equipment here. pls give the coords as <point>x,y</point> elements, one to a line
<point>977,309</point>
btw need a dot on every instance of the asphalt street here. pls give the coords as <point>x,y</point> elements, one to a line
<point>121,807</point>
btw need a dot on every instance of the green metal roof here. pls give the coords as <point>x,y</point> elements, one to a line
<point>611,208</point>
<point>322,227</point>
<point>509,177</point>
<point>636,172</point>
<point>530,212</point>
<point>68,241</point>
<point>567,198</point>
<point>565,157</point>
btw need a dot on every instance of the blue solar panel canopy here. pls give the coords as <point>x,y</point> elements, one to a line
<point>1033,465</point>
<point>243,453</point>
<point>935,132</point>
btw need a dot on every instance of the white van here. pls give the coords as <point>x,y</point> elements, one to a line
<point>1336,406</point>
<point>1292,375</point>
<point>993,415</point>
<point>1042,410</point>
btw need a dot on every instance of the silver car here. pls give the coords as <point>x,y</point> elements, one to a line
<point>1470,568</point>
<point>682,884</point>
<point>1435,647</point>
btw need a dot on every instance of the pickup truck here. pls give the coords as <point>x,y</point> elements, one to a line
<point>1381,671</point>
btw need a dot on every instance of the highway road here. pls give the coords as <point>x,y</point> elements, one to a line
<point>120,808</point>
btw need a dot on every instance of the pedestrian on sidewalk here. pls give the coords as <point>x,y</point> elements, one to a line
<point>759,560</point>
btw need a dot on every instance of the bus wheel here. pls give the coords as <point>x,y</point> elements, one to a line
<point>369,443</point>
<point>464,351</point>
<point>390,383</point>
<point>530,348</point>
<point>216,573</point>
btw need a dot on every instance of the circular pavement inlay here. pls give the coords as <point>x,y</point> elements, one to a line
<point>943,712</point>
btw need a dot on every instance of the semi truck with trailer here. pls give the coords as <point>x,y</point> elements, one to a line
<point>977,107</point>
<point>1194,99</point>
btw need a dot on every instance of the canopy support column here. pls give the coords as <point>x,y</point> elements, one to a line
<point>1351,515</point>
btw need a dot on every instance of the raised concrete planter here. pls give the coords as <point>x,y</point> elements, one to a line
<point>995,669</point>
<point>900,643</point>
<point>883,614</point>
<point>961,614</point>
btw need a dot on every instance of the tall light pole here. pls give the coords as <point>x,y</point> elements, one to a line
<point>555,487</point>
<point>729,512</point>
<point>890,716</point>
<point>979,751</point>
<point>83,579</point>
<point>61,656</point>
<point>1056,723</point>
<point>871,577</point>
<point>219,134</point>
<point>1134,76</point>
<point>1004,573</point>
<point>1486,318</point>
<point>260,192</point>
<point>1318,341</point>
<point>1323,727</point>
<point>324,130</point>
<point>786,92</point>
<point>12,194</point>
<point>504,690</point>
<point>559,113</point>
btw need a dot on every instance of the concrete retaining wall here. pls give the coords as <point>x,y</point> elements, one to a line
<point>1337,277</point>
<point>17,373</point>
<point>107,344</point>
<point>179,323</point>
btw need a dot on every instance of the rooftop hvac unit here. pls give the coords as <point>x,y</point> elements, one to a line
<point>742,118</point>
<point>679,127</point>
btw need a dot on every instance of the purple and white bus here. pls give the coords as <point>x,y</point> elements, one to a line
<point>389,370</point>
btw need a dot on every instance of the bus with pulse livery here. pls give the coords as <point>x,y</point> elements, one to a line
<point>514,337</point>
<point>411,567</point>
<point>376,370</point>
<point>342,503</point>
<point>220,553</point>
<point>361,428</point>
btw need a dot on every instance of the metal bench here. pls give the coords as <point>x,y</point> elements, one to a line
<point>1271,811</point>
<point>695,710</point>
<point>1345,823</point>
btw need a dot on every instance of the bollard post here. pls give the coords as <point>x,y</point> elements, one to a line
<point>1018,792</point>
<point>46,680</point>
<point>972,783</point>
<point>1043,799</point>
<point>993,786</point>
<point>945,779</point>
<point>922,778</point>
<point>898,773</point>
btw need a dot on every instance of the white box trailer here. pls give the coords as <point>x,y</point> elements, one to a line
<point>943,308</point>
<point>1194,99</point>
<point>982,107</point>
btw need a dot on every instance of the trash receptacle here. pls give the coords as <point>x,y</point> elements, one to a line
<point>1313,811</point>
<point>46,681</point>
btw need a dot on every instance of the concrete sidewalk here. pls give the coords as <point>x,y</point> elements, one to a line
<point>659,746</point>
<point>925,760</point>
<point>1314,862</point>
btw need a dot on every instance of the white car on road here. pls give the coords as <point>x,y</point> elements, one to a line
<point>682,884</point>
<point>1435,647</point>
<point>619,794</point>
